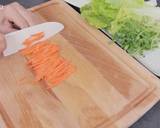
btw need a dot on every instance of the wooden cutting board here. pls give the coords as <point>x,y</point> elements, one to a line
<point>108,90</point>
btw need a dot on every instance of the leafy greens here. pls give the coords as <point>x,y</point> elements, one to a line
<point>135,33</point>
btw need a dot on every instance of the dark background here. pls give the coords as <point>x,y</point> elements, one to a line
<point>150,120</point>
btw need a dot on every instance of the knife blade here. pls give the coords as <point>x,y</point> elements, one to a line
<point>15,40</point>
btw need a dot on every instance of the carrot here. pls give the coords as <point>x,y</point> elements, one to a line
<point>34,38</point>
<point>45,61</point>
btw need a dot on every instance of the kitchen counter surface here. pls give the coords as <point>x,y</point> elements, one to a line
<point>149,120</point>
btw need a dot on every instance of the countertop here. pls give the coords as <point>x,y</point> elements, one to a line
<point>150,120</point>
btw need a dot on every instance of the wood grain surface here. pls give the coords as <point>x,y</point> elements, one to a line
<point>108,90</point>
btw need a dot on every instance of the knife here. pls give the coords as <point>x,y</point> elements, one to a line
<point>78,3</point>
<point>15,40</point>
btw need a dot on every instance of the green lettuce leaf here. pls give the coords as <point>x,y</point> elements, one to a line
<point>135,33</point>
<point>100,13</point>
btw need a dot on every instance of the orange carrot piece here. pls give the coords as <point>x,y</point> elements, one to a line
<point>45,61</point>
<point>34,38</point>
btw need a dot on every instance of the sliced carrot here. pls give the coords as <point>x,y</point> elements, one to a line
<point>33,38</point>
<point>45,60</point>
<point>27,43</point>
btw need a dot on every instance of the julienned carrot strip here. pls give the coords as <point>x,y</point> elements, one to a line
<point>33,38</point>
<point>40,34</point>
<point>59,69</point>
<point>27,43</point>
<point>45,60</point>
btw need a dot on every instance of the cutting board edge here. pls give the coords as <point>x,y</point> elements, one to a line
<point>152,76</point>
<point>43,5</point>
<point>135,117</point>
<point>146,71</point>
